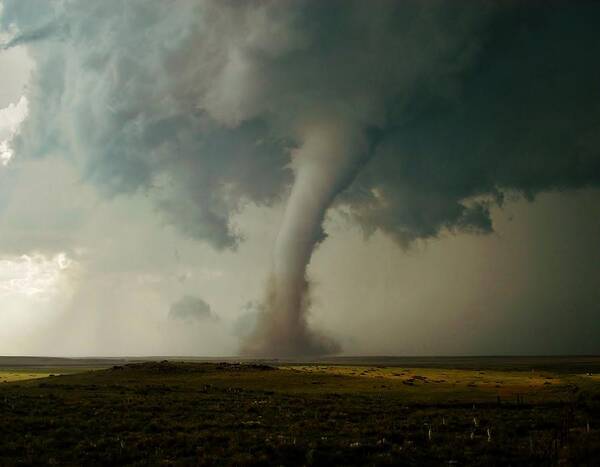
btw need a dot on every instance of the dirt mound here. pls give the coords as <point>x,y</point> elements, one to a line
<point>244,367</point>
<point>169,367</point>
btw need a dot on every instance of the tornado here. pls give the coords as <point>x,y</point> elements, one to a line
<point>324,164</point>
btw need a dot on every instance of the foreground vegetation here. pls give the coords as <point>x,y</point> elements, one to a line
<point>203,413</point>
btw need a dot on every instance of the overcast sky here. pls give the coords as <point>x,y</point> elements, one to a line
<point>144,173</point>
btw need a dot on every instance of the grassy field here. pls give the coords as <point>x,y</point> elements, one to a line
<point>165,413</point>
<point>8,375</point>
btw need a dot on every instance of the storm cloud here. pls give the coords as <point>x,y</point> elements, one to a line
<point>198,102</point>
<point>191,309</point>
<point>441,110</point>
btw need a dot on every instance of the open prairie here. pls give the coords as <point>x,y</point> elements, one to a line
<point>189,413</point>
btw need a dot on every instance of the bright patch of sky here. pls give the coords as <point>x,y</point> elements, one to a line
<point>35,276</point>
<point>11,118</point>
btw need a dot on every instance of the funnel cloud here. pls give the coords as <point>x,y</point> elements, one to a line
<point>410,118</point>
<point>324,164</point>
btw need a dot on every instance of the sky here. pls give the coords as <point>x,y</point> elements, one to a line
<point>156,158</point>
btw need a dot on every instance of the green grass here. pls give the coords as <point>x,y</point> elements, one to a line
<point>8,375</point>
<point>206,414</point>
<point>19,375</point>
<point>430,384</point>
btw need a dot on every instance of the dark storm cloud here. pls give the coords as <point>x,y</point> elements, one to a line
<point>190,308</point>
<point>198,102</point>
<point>523,119</point>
